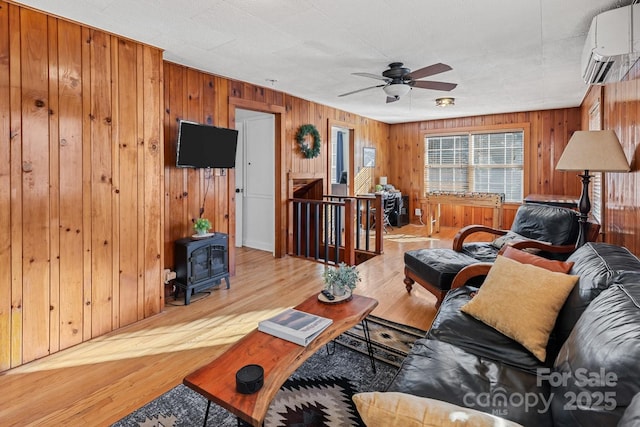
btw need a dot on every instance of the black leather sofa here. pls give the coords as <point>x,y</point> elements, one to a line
<point>591,372</point>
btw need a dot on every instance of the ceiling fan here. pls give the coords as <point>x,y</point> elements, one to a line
<point>399,80</point>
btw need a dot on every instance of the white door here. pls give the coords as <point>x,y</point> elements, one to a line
<point>239,183</point>
<point>255,172</point>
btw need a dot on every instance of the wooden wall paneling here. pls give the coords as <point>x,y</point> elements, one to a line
<point>620,107</point>
<point>87,203</point>
<point>225,195</point>
<point>140,219</point>
<point>175,178</point>
<point>152,180</point>
<point>303,115</point>
<point>35,185</point>
<point>5,192</point>
<point>69,119</point>
<point>16,200</point>
<point>102,246</point>
<point>54,185</point>
<point>168,158</point>
<point>295,115</point>
<point>544,170</point>
<point>17,244</point>
<point>235,88</point>
<point>73,103</point>
<point>259,94</point>
<point>194,113</point>
<point>126,181</point>
<point>281,169</point>
<point>568,183</point>
<point>213,187</point>
<point>116,221</point>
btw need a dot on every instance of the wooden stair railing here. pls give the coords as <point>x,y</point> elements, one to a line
<point>321,233</point>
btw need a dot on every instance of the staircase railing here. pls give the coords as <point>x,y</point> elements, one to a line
<point>337,228</point>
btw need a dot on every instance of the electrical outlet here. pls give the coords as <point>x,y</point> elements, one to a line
<point>418,212</point>
<point>168,275</point>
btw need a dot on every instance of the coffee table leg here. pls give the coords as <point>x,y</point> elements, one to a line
<point>367,339</point>
<point>330,349</point>
<point>206,414</point>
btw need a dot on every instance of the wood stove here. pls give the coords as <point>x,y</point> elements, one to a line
<point>201,264</point>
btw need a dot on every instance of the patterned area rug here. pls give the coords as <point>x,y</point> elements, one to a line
<point>317,394</point>
<point>324,401</point>
<point>390,341</point>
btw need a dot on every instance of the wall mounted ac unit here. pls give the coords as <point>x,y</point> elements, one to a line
<point>612,46</point>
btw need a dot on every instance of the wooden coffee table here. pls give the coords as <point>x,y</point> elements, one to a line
<point>280,358</point>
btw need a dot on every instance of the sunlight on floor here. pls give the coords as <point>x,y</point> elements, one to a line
<point>406,238</point>
<point>205,332</point>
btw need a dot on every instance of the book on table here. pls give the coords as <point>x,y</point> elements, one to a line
<point>295,326</point>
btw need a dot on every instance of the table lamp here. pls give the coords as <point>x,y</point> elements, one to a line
<point>599,151</point>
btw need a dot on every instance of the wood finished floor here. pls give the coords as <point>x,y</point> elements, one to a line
<point>98,382</point>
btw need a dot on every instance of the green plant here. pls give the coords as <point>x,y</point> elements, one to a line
<point>202,225</point>
<point>339,279</point>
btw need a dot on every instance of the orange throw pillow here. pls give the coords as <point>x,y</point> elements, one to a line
<point>527,258</point>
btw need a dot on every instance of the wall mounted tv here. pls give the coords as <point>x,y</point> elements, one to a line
<point>204,146</point>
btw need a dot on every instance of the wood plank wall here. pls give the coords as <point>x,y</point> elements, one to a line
<point>620,107</point>
<point>546,134</point>
<point>192,95</point>
<point>80,183</point>
<point>205,98</point>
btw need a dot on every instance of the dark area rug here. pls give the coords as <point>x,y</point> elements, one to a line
<point>317,394</point>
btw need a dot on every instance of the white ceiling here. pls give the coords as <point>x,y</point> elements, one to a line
<point>507,55</point>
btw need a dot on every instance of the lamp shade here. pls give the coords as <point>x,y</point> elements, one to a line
<point>598,151</point>
<point>396,89</point>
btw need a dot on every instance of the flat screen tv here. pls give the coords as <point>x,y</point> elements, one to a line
<point>204,146</point>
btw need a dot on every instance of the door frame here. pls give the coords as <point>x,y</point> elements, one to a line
<point>352,150</point>
<point>280,193</point>
<point>242,175</point>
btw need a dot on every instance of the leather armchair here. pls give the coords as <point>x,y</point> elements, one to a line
<point>552,230</point>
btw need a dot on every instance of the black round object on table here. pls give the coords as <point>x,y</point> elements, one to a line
<point>249,379</point>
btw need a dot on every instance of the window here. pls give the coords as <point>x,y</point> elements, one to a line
<point>476,162</point>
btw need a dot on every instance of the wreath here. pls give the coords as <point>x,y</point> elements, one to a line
<point>308,152</point>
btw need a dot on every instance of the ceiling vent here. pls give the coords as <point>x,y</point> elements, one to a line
<point>612,46</point>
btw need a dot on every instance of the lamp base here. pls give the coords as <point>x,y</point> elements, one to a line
<point>584,207</point>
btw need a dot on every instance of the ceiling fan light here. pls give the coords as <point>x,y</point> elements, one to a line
<point>396,90</point>
<point>445,102</point>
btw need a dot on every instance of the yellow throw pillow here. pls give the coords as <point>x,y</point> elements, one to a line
<point>521,301</point>
<point>393,409</point>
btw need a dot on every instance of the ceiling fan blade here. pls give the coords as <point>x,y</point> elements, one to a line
<point>361,90</point>
<point>426,84</point>
<point>392,99</point>
<point>371,76</point>
<point>429,71</point>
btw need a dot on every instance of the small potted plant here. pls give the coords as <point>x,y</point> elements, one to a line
<point>342,280</point>
<point>201,226</point>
